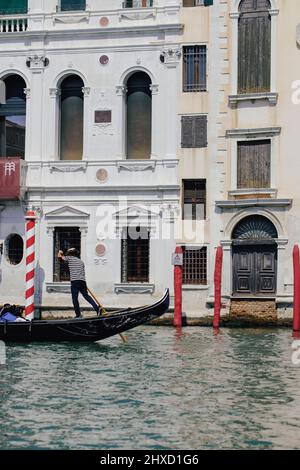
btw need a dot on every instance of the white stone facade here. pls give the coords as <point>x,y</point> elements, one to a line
<point>68,193</point>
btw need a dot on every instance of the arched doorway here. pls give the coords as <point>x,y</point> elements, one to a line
<point>254,257</point>
<point>139,116</point>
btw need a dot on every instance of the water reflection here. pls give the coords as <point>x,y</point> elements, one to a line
<point>167,388</point>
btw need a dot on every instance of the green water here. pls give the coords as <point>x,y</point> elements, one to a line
<point>161,391</point>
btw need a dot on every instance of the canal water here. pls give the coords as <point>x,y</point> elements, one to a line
<point>163,390</point>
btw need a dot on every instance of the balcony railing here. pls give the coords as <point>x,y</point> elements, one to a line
<point>13,25</point>
<point>138,3</point>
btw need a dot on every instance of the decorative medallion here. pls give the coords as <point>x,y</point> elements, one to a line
<point>102,175</point>
<point>104,21</point>
<point>100,250</point>
<point>104,60</point>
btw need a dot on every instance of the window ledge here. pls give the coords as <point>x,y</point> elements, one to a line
<point>59,287</point>
<point>134,288</point>
<point>270,96</point>
<point>258,202</point>
<point>254,192</point>
<point>256,132</point>
<point>194,287</point>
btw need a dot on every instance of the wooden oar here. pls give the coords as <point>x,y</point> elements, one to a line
<point>124,339</point>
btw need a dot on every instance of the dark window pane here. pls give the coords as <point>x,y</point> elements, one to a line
<point>64,238</point>
<point>72,5</point>
<point>135,255</point>
<point>13,118</point>
<point>71,134</point>
<point>139,116</point>
<point>12,7</point>
<point>137,3</point>
<point>194,199</point>
<point>14,249</point>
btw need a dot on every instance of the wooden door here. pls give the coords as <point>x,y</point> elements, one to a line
<point>254,269</point>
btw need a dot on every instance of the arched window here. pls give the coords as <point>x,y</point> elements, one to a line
<point>139,115</point>
<point>14,249</point>
<point>254,46</point>
<point>71,118</point>
<point>13,118</point>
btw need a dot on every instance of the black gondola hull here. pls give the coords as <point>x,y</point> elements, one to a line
<point>83,329</point>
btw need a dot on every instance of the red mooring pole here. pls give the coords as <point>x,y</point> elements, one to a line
<point>218,287</point>
<point>178,291</point>
<point>296,310</point>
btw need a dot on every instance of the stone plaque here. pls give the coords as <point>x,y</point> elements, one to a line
<point>102,117</point>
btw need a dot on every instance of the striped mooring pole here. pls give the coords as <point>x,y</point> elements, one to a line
<point>30,264</point>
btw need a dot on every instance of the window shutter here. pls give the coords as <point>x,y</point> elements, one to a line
<point>254,160</point>
<point>13,7</point>
<point>208,3</point>
<point>187,131</point>
<point>200,131</point>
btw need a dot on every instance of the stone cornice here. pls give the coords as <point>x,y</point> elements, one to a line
<point>256,132</point>
<point>235,99</point>
<point>260,202</point>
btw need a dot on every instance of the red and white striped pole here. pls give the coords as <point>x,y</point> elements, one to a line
<point>30,264</point>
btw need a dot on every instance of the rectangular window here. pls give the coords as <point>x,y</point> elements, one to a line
<point>195,265</point>
<point>135,255</point>
<point>138,3</point>
<point>192,3</point>
<point>72,5</point>
<point>193,131</point>
<point>64,238</point>
<point>194,68</point>
<point>194,199</point>
<point>254,164</point>
<point>13,7</point>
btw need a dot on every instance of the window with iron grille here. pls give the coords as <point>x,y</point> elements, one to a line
<point>64,239</point>
<point>195,265</point>
<point>193,131</point>
<point>194,199</point>
<point>138,3</point>
<point>135,255</point>
<point>194,68</point>
<point>14,249</point>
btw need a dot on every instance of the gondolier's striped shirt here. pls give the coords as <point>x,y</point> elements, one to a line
<point>76,268</point>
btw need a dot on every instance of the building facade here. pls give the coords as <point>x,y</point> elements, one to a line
<point>89,101</point>
<point>245,172</point>
<point>175,118</point>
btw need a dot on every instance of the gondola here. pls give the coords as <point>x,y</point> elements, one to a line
<point>82,329</point>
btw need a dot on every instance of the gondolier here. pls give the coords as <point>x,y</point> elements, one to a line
<point>78,281</point>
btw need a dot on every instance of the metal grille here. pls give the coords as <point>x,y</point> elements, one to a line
<point>135,255</point>
<point>194,68</point>
<point>194,199</point>
<point>64,238</point>
<point>137,3</point>
<point>195,266</point>
<point>15,249</point>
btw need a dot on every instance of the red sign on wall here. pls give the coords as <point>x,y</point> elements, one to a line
<point>10,178</point>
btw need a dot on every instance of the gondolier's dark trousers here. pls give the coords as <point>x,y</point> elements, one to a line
<point>81,287</point>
